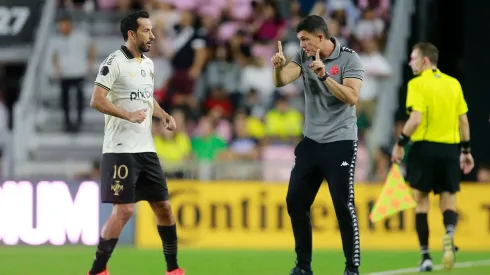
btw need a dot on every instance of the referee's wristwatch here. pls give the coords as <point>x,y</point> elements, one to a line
<point>323,78</point>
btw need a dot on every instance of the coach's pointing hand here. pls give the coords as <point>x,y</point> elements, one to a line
<point>278,59</point>
<point>317,66</point>
<point>138,116</point>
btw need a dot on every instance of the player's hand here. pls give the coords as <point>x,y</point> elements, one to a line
<point>397,154</point>
<point>278,60</point>
<point>317,66</point>
<point>169,123</point>
<point>138,116</point>
<point>466,162</point>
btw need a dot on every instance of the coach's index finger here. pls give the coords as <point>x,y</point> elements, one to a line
<point>318,55</point>
<point>279,46</point>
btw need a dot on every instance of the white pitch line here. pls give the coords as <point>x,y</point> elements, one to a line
<point>436,267</point>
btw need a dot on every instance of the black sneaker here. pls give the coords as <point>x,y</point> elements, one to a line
<point>299,271</point>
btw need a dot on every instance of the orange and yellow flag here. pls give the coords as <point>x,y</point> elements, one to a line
<point>395,196</point>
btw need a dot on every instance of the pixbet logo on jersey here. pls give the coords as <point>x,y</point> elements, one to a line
<point>140,94</point>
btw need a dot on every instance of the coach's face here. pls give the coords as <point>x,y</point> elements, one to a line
<point>310,42</point>
<point>144,36</point>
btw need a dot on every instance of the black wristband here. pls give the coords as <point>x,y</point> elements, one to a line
<point>324,77</point>
<point>465,147</point>
<point>403,139</point>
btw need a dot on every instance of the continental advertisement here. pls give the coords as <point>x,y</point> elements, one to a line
<point>254,216</point>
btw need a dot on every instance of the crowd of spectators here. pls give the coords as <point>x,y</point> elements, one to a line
<point>213,73</point>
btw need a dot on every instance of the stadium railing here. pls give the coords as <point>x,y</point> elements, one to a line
<point>26,106</point>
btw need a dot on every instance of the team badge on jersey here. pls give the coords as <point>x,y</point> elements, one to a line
<point>143,73</point>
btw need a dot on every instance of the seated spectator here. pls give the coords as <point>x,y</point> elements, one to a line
<point>218,98</point>
<point>258,76</point>
<point>242,146</point>
<point>255,127</point>
<point>172,147</point>
<point>207,146</point>
<point>268,25</point>
<point>376,68</point>
<point>283,124</point>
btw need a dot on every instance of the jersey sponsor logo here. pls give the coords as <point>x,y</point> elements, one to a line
<point>140,94</point>
<point>334,70</point>
<point>104,70</point>
<point>13,19</point>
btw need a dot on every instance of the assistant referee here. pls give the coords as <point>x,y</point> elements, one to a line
<point>439,129</point>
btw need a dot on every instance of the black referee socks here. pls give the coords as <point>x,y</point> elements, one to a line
<point>422,227</point>
<point>168,234</point>
<point>450,221</point>
<point>104,252</point>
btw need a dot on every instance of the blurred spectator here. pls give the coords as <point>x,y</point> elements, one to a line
<point>268,25</point>
<point>206,147</point>
<point>258,76</point>
<point>242,146</point>
<point>188,54</point>
<point>483,173</point>
<point>73,57</point>
<point>376,67</point>
<point>218,98</point>
<point>220,125</point>
<point>172,148</point>
<point>381,7</point>
<point>283,124</point>
<point>255,127</point>
<point>370,26</point>
<point>223,74</point>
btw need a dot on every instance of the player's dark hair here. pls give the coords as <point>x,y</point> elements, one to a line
<point>428,50</point>
<point>130,22</point>
<point>313,24</point>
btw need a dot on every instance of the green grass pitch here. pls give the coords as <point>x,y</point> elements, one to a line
<point>75,260</point>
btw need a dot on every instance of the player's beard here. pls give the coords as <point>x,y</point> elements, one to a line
<point>144,47</point>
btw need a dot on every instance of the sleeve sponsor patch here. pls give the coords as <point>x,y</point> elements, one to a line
<point>104,70</point>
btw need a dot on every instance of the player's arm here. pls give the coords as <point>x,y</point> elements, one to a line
<point>100,103</point>
<point>108,73</point>
<point>285,74</point>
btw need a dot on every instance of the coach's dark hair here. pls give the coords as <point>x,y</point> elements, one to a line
<point>312,24</point>
<point>130,22</point>
<point>428,50</point>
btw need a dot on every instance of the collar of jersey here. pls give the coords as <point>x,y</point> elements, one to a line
<point>336,50</point>
<point>128,54</point>
<point>430,72</point>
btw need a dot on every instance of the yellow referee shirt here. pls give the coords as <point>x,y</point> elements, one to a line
<point>440,99</point>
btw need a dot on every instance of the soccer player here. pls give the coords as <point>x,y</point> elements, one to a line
<point>332,76</point>
<point>130,169</point>
<point>439,129</point>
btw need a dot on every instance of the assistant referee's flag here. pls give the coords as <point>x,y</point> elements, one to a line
<point>394,198</point>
